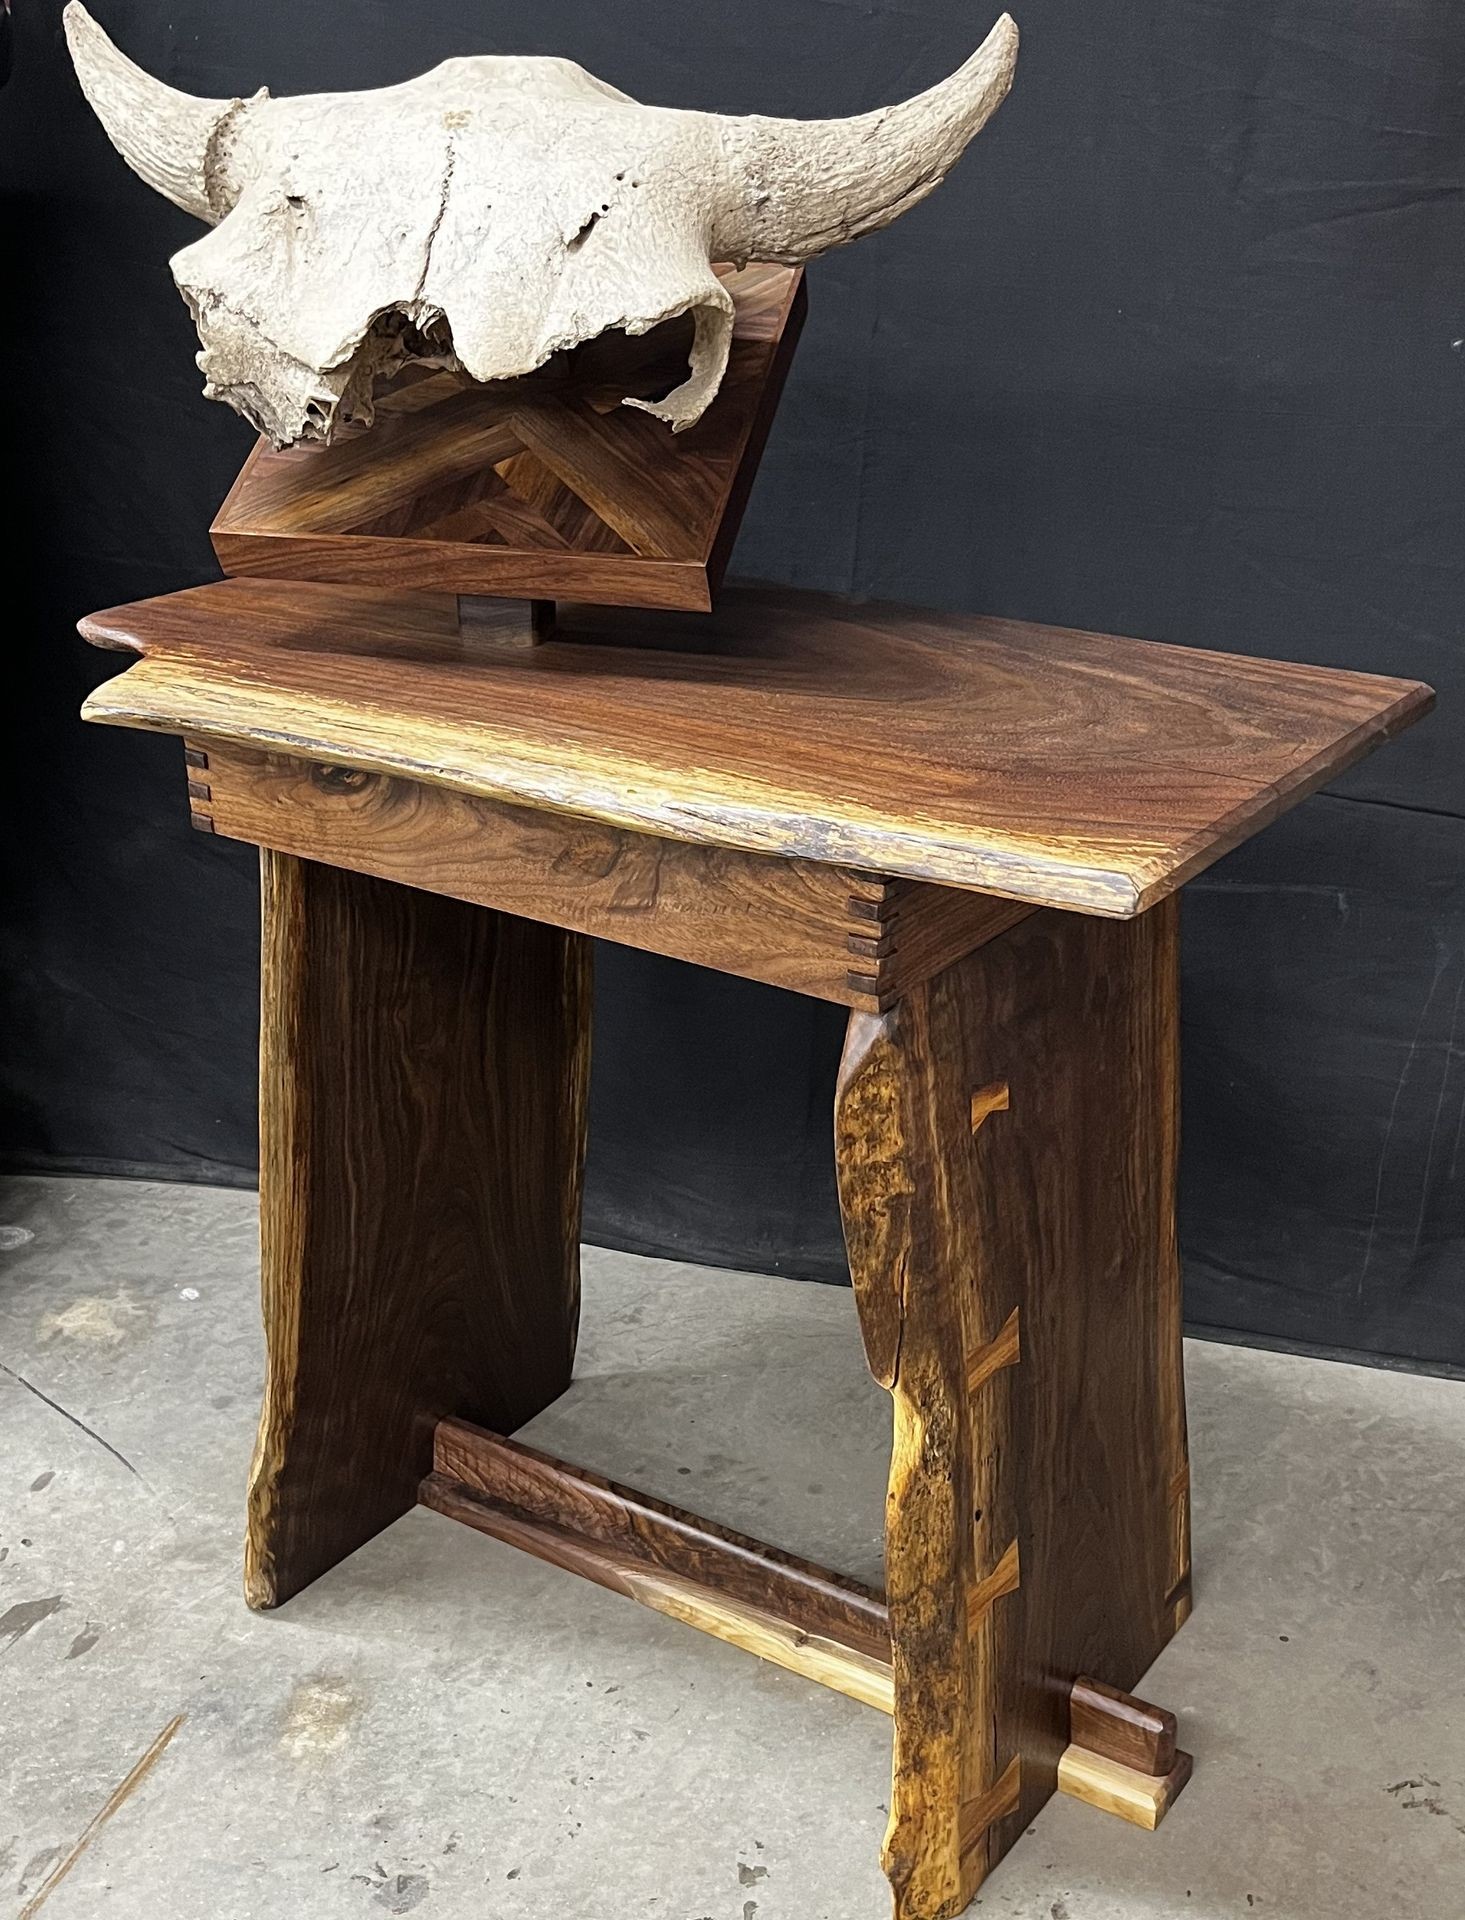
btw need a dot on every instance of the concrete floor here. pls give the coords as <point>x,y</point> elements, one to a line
<point>442,1726</point>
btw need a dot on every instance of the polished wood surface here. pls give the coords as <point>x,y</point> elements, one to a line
<point>770,1603</point>
<point>1051,767</point>
<point>827,931</point>
<point>423,1069</point>
<point>1143,1799</point>
<point>1120,1728</point>
<point>1016,1276</point>
<point>544,486</point>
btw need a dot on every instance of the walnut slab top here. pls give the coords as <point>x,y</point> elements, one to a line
<point>1067,769</point>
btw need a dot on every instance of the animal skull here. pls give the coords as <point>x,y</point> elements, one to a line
<point>493,212</point>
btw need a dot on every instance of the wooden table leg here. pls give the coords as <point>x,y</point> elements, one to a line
<point>423,1070</point>
<point>1006,1139</point>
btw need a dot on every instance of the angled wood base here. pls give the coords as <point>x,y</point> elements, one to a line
<point>542,485</point>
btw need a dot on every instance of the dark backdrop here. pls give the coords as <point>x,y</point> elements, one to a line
<point>1177,352</point>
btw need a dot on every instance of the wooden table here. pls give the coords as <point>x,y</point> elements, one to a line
<point>969,832</point>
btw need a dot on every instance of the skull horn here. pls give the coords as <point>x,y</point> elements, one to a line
<point>802,186</point>
<point>167,138</point>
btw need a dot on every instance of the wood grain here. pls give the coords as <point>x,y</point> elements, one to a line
<point>771,1603</point>
<point>1045,766</point>
<point>791,923</point>
<point>1032,1532</point>
<point>1143,1799</point>
<point>544,486</point>
<point>506,623</point>
<point>423,1069</point>
<point>1117,1727</point>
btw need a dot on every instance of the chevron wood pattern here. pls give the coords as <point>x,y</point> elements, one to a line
<point>545,487</point>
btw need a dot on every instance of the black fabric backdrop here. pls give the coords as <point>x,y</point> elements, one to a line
<point>1177,352</point>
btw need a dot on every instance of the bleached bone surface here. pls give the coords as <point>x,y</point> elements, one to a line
<point>494,212</point>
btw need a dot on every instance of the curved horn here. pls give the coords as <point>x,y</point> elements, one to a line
<point>166,137</point>
<point>802,186</point>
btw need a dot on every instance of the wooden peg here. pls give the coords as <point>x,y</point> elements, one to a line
<point>1122,1757</point>
<point>1120,1728</point>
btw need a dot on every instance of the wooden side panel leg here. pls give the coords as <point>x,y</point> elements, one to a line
<point>1006,1145</point>
<point>423,1071</point>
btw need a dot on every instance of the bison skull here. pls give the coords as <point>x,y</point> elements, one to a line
<point>493,212</point>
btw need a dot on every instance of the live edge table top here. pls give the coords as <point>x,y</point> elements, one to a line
<point>1060,768</point>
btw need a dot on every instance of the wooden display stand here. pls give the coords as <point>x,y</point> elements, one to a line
<point>969,832</point>
<point>547,487</point>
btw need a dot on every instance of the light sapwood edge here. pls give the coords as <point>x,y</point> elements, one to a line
<point>913,1336</point>
<point>282,1223</point>
<point>1221,737</point>
<point>622,797</point>
<point>1140,1798</point>
<point>844,1670</point>
<point>817,1657</point>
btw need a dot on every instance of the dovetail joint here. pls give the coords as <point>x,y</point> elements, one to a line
<point>1000,1799</point>
<point>1004,1351</point>
<point>200,792</point>
<point>993,1098</point>
<point>1005,1578</point>
<point>864,906</point>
